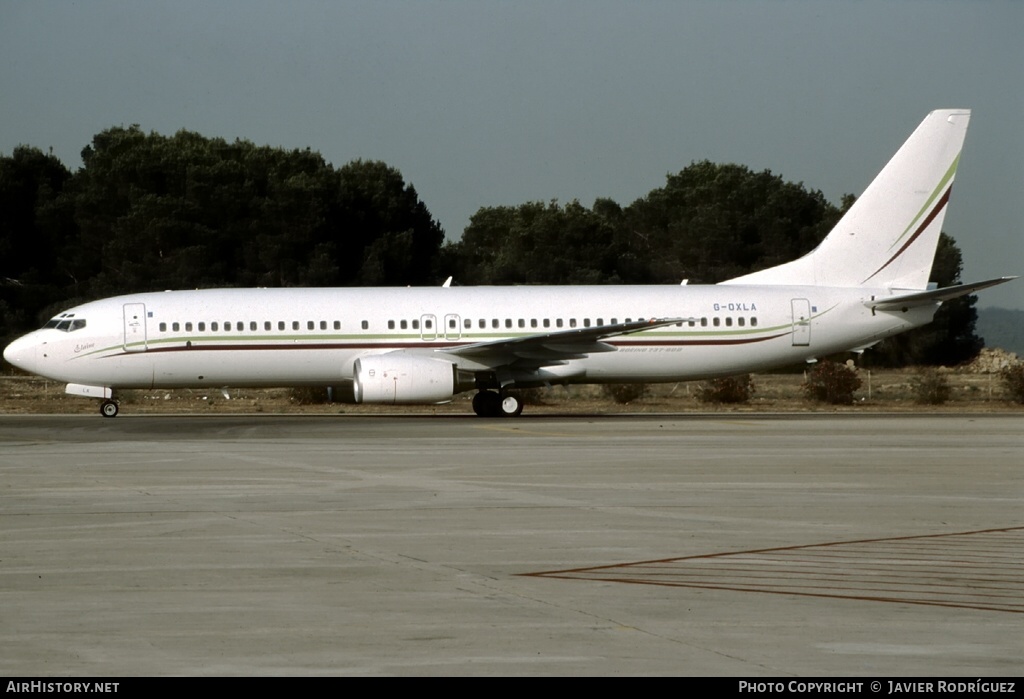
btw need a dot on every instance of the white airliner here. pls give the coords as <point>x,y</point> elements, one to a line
<point>866,281</point>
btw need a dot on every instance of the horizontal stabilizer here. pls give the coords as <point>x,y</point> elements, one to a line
<point>925,298</point>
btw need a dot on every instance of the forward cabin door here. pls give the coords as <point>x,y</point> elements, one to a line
<point>135,327</point>
<point>801,322</point>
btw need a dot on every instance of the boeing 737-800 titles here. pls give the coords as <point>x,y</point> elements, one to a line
<point>866,281</point>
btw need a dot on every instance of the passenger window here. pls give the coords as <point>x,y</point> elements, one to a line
<point>366,325</point>
<point>391,325</point>
<point>728,322</point>
<point>522,323</point>
<point>533,322</point>
<point>716,321</point>
<point>188,327</point>
<point>310,325</point>
<point>323,324</point>
<point>508,322</point>
<point>213,326</point>
<point>280,325</point>
<point>415,325</point>
<point>175,327</point>
<point>741,321</point>
<point>547,322</point>
<point>753,322</point>
<point>252,325</point>
<point>558,323</point>
<point>428,324</point>
<point>266,325</point>
<point>572,322</point>
<point>703,322</point>
<point>404,324</point>
<point>295,325</point>
<point>163,327</point>
<point>337,325</point>
<point>202,327</point>
<point>586,322</point>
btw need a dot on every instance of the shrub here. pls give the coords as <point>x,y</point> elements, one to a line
<point>930,387</point>
<point>533,396</point>
<point>731,389</point>
<point>310,395</point>
<point>623,393</point>
<point>1012,378</point>
<point>831,383</point>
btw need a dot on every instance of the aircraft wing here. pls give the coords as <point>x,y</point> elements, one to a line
<point>924,298</point>
<point>548,349</point>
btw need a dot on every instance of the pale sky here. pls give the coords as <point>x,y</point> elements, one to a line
<point>485,103</point>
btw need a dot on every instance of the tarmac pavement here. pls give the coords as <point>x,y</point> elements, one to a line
<point>704,545</point>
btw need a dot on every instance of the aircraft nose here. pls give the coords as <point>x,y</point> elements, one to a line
<point>22,353</point>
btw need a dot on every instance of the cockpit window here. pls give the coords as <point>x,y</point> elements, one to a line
<point>65,322</point>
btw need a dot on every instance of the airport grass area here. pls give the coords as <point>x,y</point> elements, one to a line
<point>976,388</point>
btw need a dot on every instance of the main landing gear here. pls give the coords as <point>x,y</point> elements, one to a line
<point>491,404</point>
<point>109,408</point>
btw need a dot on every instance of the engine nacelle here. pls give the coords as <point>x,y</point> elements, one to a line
<point>400,378</point>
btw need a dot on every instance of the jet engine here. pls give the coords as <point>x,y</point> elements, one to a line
<point>400,378</point>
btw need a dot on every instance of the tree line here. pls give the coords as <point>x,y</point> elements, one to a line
<point>148,212</point>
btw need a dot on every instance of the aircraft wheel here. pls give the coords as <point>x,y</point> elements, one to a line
<point>487,404</point>
<point>108,408</point>
<point>511,406</point>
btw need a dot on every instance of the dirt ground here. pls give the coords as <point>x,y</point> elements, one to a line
<point>881,391</point>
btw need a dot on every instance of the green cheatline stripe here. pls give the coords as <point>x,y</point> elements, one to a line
<point>939,188</point>
<point>468,339</point>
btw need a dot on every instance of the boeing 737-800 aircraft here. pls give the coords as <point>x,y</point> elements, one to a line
<point>866,281</point>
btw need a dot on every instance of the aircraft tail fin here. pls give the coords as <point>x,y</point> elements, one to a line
<point>888,237</point>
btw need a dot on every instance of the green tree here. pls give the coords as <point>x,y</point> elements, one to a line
<point>537,243</point>
<point>186,211</point>
<point>712,222</point>
<point>389,235</point>
<point>34,226</point>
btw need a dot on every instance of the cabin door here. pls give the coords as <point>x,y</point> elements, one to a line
<point>135,327</point>
<point>801,322</point>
